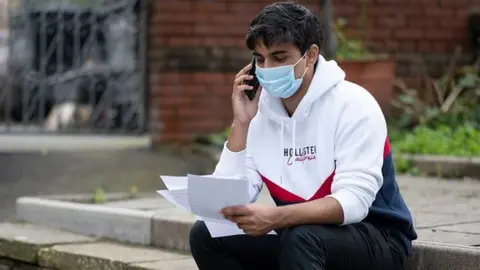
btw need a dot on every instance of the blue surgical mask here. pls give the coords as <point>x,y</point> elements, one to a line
<point>280,81</point>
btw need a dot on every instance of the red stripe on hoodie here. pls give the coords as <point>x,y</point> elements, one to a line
<point>324,190</point>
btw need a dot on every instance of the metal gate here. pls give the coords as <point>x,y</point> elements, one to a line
<point>74,66</point>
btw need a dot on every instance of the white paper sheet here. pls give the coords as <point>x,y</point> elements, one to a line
<point>208,195</point>
<point>174,182</point>
<point>178,197</point>
<point>217,229</point>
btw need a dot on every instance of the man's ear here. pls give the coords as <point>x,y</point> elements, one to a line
<point>312,54</point>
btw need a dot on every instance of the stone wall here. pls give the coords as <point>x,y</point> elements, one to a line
<point>196,47</point>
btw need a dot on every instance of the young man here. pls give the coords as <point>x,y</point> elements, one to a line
<point>319,143</point>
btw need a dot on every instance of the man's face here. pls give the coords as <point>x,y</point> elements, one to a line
<point>280,55</point>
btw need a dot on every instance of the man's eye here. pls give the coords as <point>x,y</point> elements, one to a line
<point>260,61</point>
<point>280,59</point>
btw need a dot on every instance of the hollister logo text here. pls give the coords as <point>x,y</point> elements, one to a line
<point>301,154</point>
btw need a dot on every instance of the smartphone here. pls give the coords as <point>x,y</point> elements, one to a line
<point>253,82</point>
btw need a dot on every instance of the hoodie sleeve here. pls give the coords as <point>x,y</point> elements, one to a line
<point>239,165</point>
<point>359,146</point>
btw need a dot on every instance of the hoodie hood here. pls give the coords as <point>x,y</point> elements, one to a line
<point>327,75</point>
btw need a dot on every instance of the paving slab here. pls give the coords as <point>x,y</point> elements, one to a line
<point>468,208</point>
<point>23,241</point>
<point>423,219</point>
<point>469,228</point>
<point>186,264</point>
<point>148,203</point>
<point>448,237</point>
<point>101,255</point>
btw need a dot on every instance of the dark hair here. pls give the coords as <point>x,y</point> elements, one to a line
<point>285,22</point>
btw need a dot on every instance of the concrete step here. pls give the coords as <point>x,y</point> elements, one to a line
<point>26,246</point>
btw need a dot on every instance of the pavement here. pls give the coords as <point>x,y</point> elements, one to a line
<point>61,168</point>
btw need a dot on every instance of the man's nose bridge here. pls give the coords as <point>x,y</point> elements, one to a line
<point>268,63</point>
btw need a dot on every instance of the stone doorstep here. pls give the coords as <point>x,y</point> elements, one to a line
<point>54,249</point>
<point>435,256</point>
<point>126,225</point>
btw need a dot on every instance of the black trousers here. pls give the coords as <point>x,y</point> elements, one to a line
<point>360,246</point>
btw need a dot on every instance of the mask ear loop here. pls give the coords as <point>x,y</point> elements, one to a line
<point>305,72</point>
<point>303,56</point>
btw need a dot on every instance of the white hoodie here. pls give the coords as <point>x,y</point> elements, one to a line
<point>333,145</point>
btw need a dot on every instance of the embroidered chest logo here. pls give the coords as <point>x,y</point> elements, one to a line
<point>301,154</point>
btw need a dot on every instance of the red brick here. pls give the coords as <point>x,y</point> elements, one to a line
<point>392,45</point>
<point>209,6</point>
<point>168,5</point>
<point>210,29</point>
<point>421,21</point>
<point>183,17</point>
<point>379,34</point>
<point>438,34</point>
<point>184,41</point>
<point>391,21</point>
<point>439,47</point>
<point>172,29</point>
<point>439,12</point>
<point>158,41</point>
<point>455,3</point>
<point>195,90</point>
<point>220,41</point>
<point>429,3</point>
<point>462,13</point>
<point>407,46</point>
<point>379,11</point>
<point>453,23</point>
<point>173,77</point>
<point>408,10</point>
<point>224,89</point>
<point>411,33</point>
<point>213,78</point>
<point>187,113</point>
<point>345,10</point>
<point>171,103</point>
<point>241,7</point>
<point>424,46</point>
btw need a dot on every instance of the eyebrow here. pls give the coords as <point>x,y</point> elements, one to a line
<point>272,53</point>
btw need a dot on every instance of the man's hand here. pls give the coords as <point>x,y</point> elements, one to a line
<point>253,219</point>
<point>244,110</point>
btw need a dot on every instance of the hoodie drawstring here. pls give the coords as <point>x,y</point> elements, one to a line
<point>282,145</point>
<point>281,151</point>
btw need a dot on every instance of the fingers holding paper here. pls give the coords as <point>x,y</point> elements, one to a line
<point>253,219</point>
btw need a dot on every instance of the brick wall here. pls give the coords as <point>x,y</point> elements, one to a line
<point>196,47</point>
